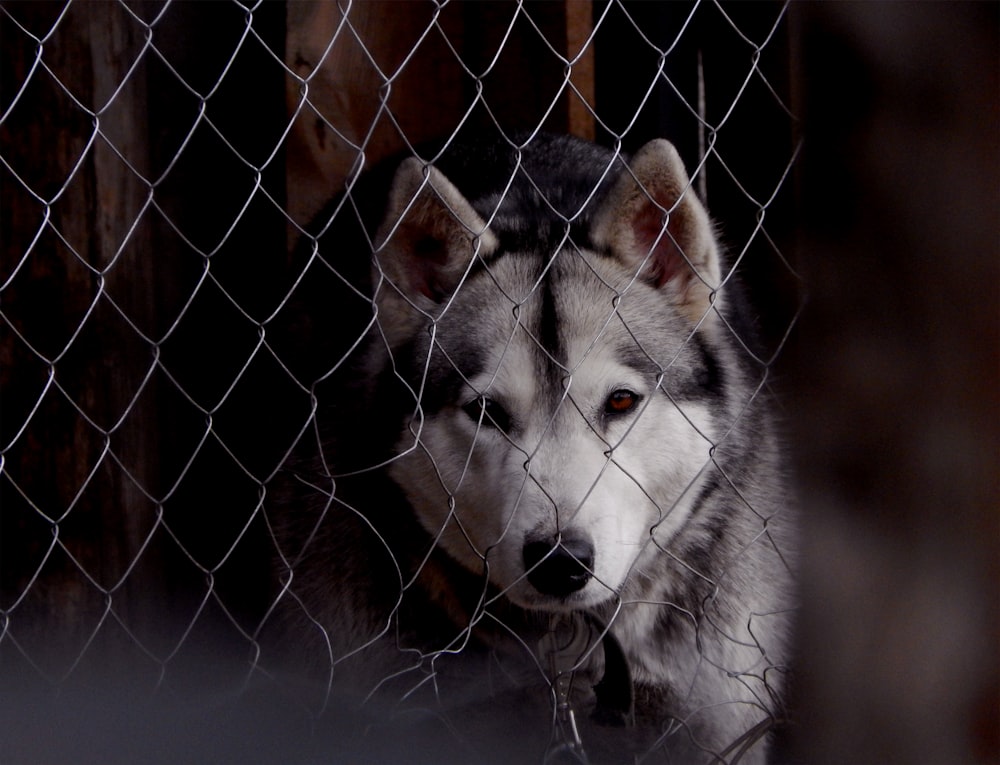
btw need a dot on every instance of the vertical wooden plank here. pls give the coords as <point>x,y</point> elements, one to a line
<point>579,27</point>
<point>67,486</point>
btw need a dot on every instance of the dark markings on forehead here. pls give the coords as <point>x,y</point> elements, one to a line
<point>544,233</point>
<point>465,355</point>
<point>547,329</point>
<point>633,355</point>
<point>539,314</point>
<point>697,374</point>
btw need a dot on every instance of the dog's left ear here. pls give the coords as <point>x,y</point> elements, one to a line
<point>425,245</point>
<point>429,235</point>
<point>652,221</point>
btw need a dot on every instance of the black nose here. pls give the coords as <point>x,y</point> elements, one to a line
<point>559,569</point>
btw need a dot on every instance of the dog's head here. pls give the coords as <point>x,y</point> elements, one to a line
<point>562,421</point>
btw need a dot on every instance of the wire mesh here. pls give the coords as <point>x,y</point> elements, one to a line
<point>183,317</point>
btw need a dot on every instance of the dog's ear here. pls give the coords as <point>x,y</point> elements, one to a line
<point>652,221</point>
<point>428,237</point>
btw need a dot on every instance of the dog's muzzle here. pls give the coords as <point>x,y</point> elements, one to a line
<point>559,568</point>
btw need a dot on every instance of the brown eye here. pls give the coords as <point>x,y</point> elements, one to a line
<point>621,401</point>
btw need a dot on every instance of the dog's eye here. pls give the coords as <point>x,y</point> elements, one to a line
<point>621,401</point>
<point>489,412</point>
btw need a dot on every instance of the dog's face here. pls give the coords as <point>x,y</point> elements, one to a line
<point>564,416</point>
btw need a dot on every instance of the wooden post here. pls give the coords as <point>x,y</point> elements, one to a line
<point>579,27</point>
<point>65,224</point>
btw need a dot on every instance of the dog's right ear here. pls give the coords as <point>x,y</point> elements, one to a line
<point>653,223</point>
<point>426,243</point>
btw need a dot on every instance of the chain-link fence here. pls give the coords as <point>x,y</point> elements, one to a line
<point>264,452</point>
<point>178,456</point>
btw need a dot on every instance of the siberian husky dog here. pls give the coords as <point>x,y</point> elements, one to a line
<point>545,471</point>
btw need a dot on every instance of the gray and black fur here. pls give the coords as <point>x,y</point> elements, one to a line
<point>552,421</point>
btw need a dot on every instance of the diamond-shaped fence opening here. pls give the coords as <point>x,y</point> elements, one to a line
<point>204,478</point>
